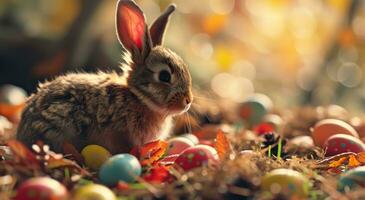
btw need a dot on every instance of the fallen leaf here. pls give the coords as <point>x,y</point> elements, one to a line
<point>158,174</point>
<point>361,157</point>
<point>222,144</point>
<point>23,153</point>
<point>152,152</point>
<point>353,162</point>
<point>337,163</point>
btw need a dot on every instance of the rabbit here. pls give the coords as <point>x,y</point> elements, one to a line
<point>116,111</point>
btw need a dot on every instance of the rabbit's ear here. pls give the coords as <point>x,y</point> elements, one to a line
<point>158,27</point>
<point>132,30</point>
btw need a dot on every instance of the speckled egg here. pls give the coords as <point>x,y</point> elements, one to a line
<point>341,143</point>
<point>191,137</point>
<point>286,181</point>
<point>328,127</point>
<point>193,157</point>
<point>178,145</point>
<point>255,108</point>
<point>120,167</point>
<point>94,192</point>
<point>41,188</point>
<point>94,156</point>
<point>352,179</point>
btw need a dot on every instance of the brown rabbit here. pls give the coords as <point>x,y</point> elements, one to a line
<point>115,111</point>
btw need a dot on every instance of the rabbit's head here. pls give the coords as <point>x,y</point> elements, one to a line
<point>157,75</point>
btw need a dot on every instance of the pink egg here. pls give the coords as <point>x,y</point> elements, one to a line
<point>178,145</point>
<point>328,127</point>
<point>198,156</point>
<point>41,188</point>
<point>341,143</point>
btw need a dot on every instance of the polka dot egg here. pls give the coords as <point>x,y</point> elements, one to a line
<point>198,156</point>
<point>286,181</point>
<point>94,192</point>
<point>120,167</point>
<point>352,179</point>
<point>341,143</point>
<point>328,127</point>
<point>178,145</point>
<point>41,188</point>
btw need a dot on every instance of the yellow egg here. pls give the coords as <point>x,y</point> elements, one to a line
<point>94,192</point>
<point>95,156</point>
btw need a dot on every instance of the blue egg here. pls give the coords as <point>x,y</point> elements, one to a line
<point>352,179</point>
<point>121,167</point>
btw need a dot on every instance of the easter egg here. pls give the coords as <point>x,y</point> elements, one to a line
<point>328,127</point>
<point>304,141</point>
<point>12,101</point>
<point>120,167</point>
<point>255,108</point>
<point>352,179</point>
<point>191,137</point>
<point>94,192</point>
<point>178,145</point>
<point>275,120</point>
<point>341,143</point>
<point>94,156</point>
<point>41,188</point>
<point>198,156</point>
<point>286,181</point>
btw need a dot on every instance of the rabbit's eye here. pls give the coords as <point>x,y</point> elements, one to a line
<point>164,76</point>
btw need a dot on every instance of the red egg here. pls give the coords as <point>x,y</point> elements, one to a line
<point>341,143</point>
<point>328,127</point>
<point>41,188</point>
<point>198,156</point>
<point>178,145</point>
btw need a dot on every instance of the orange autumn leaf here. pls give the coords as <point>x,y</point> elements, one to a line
<point>337,163</point>
<point>353,162</point>
<point>222,145</point>
<point>153,151</point>
<point>361,157</point>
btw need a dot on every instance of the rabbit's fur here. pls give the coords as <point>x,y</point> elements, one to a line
<point>108,109</point>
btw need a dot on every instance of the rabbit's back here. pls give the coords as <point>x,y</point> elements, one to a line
<point>68,107</point>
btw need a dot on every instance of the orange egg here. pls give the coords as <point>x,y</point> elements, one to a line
<point>328,127</point>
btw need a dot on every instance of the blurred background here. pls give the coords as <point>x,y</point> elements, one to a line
<point>297,52</point>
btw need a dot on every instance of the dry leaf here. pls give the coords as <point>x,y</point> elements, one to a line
<point>353,162</point>
<point>337,163</point>
<point>23,153</point>
<point>152,152</point>
<point>361,157</point>
<point>222,145</point>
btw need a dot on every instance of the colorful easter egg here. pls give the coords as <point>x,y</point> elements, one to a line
<point>43,188</point>
<point>12,101</point>
<point>191,137</point>
<point>178,145</point>
<point>341,143</point>
<point>94,192</point>
<point>352,179</point>
<point>198,156</point>
<point>120,167</point>
<point>255,108</point>
<point>94,156</point>
<point>286,181</point>
<point>328,127</point>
